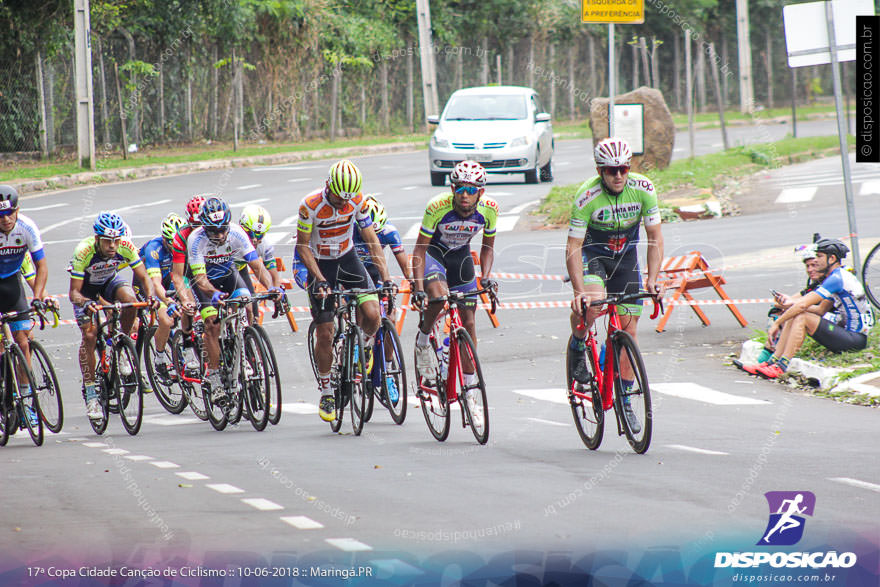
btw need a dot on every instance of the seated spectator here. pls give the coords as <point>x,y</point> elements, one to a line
<point>837,288</point>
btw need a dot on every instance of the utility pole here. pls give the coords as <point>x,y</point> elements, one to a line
<point>85,109</point>
<point>426,51</point>
<point>746,92</point>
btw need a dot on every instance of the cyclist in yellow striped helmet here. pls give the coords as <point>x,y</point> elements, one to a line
<point>344,180</point>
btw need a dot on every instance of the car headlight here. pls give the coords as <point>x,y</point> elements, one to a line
<point>439,141</point>
<point>521,141</point>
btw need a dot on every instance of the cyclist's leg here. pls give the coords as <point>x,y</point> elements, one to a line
<point>435,286</point>
<point>117,290</point>
<point>322,315</point>
<point>15,300</point>
<point>253,309</point>
<point>211,336</point>
<point>89,333</point>
<point>461,277</point>
<point>595,274</point>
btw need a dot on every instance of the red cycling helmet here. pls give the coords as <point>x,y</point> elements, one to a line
<point>193,207</point>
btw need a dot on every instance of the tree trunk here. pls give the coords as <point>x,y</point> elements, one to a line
<point>635,65</point>
<point>718,99</point>
<point>572,56</point>
<point>676,72</point>
<point>725,88</point>
<point>459,72</point>
<point>531,60</point>
<point>643,49</point>
<point>123,136</point>
<point>50,107</point>
<point>134,100</point>
<point>189,103</point>
<point>334,101</point>
<point>551,64</point>
<point>768,64</point>
<point>162,102</point>
<point>410,89</point>
<point>655,65</point>
<point>41,91</point>
<point>316,96</point>
<point>594,90</point>
<point>510,58</point>
<point>236,110</point>
<point>484,62</point>
<point>701,78</point>
<point>102,81</point>
<point>386,114</point>
<point>214,106</point>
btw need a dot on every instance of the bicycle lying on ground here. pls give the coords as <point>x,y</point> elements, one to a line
<point>606,388</point>
<point>438,394</point>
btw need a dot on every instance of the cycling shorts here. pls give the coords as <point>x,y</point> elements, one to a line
<point>619,274</point>
<point>455,267</point>
<point>106,290</point>
<point>14,299</point>
<point>838,339</point>
<point>346,272</point>
<point>231,284</point>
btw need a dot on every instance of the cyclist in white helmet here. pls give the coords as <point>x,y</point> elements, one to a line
<point>601,255</point>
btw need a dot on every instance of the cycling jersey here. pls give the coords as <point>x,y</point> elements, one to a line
<point>87,264</point>
<point>157,259</point>
<point>178,244</point>
<point>610,224</point>
<point>388,237</point>
<point>266,252</point>
<point>447,230</point>
<point>847,293</point>
<point>331,228</point>
<point>24,237</point>
<point>28,269</point>
<point>218,261</point>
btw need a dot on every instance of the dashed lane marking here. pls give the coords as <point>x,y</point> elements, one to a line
<point>192,476</point>
<point>702,451</point>
<point>95,444</point>
<point>792,195</point>
<point>224,488</point>
<point>248,202</point>
<point>165,465</point>
<point>115,451</point>
<point>264,505</point>
<point>551,422</point>
<point>348,544</point>
<point>302,522</point>
<point>856,483</point>
<point>138,458</point>
<point>700,393</point>
<point>249,186</point>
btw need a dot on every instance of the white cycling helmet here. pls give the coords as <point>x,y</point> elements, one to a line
<point>612,152</point>
<point>469,172</point>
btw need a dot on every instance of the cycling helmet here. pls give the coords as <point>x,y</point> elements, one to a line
<point>344,180</point>
<point>377,211</point>
<point>255,220</point>
<point>805,252</point>
<point>612,152</point>
<point>193,207</point>
<point>832,246</point>
<point>469,172</point>
<point>109,225</point>
<point>215,213</point>
<point>170,225</point>
<point>8,200</point>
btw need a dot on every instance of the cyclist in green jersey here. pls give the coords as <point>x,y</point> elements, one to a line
<point>601,254</point>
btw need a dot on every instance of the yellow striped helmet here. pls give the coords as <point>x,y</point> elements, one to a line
<point>255,220</point>
<point>344,180</point>
<point>376,210</point>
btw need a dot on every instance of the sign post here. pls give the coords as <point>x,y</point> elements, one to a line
<point>612,12</point>
<point>824,32</point>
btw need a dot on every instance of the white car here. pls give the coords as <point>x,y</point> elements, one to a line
<point>504,128</point>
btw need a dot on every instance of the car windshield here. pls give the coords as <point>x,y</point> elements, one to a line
<point>487,107</point>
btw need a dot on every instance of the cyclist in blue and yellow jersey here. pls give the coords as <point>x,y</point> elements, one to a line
<point>327,219</point>
<point>94,273</point>
<point>213,250</point>
<point>156,256</point>
<point>19,238</point>
<point>601,254</point>
<point>442,256</point>
<point>388,237</point>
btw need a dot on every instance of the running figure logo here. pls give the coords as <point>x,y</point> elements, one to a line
<point>786,524</point>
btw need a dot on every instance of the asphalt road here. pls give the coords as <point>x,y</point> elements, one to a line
<point>179,491</point>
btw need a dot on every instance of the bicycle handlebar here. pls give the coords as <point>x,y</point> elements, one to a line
<point>619,299</point>
<point>458,296</point>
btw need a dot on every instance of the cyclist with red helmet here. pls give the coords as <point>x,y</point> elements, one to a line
<point>180,271</point>
<point>442,256</point>
<point>600,253</point>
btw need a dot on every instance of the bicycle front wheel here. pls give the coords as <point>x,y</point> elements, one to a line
<point>871,276</point>
<point>274,375</point>
<point>632,398</point>
<point>435,405</point>
<point>29,417</point>
<point>586,403</point>
<point>255,379</point>
<point>356,380</point>
<point>127,385</point>
<point>4,415</point>
<point>45,383</point>
<point>168,393</point>
<point>473,396</point>
<point>394,373</point>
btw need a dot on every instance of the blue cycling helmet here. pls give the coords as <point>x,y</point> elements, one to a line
<point>215,213</point>
<point>109,225</point>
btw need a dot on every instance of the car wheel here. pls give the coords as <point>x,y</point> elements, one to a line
<point>547,171</point>
<point>532,174</point>
<point>438,178</point>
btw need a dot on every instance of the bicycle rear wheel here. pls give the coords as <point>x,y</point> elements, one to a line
<point>274,375</point>
<point>256,380</point>
<point>638,394</point>
<point>589,417</point>
<point>473,397</point>
<point>127,388</point>
<point>4,415</point>
<point>356,380</point>
<point>871,276</point>
<point>45,383</point>
<point>395,374</point>
<point>28,401</point>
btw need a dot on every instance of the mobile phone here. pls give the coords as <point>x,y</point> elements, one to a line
<point>774,293</point>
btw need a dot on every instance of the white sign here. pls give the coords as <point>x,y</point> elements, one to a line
<point>806,30</point>
<point>629,124</point>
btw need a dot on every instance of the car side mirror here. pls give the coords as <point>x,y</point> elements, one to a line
<point>434,119</point>
<point>542,117</point>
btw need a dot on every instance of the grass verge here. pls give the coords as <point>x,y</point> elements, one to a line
<point>734,115</point>
<point>709,171</point>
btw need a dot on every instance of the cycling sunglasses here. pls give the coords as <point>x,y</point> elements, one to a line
<point>467,189</point>
<point>216,230</point>
<point>622,170</point>
<point>8,212</point>
<point>256,237</point>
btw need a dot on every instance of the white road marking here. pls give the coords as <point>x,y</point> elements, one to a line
<point>224,488</point>
<point>519,209</point>
<point>348,544</point>
<point>46,229</point>
<point>192,476</point>
<point>493,193</point>
<point>543,421</point>
<point>264,505</point>
<point>165,465</point>
<point>856,483</point>
<point>302,522</point>
<point>299,408</point>
<point>95,444</point>
<point>506,223</point>
<point>139,458</point>
<point>290,220</point>
<point>249,186</point>
<point>702,451</point>
<point>248,202</point>
<point>870,187</point>
<point>695,391</point>
<point>166,420</point>
<point>115,451</point>
<point>556,395</point>
<point>275,237</point>
<point>299,179</point>
<point>29,210</point>
<point>286,168</point>
<point>413,232</point>
<point>791,195</point>
<point>410,187</point>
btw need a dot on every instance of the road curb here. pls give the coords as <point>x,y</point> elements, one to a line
<point>78,180</point>
<point>826,376</point>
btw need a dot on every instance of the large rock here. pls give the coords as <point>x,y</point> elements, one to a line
<point>659,128</point>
